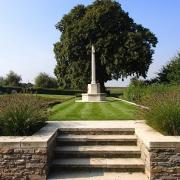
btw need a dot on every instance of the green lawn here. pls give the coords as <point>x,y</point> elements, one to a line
<point>110,110</point>
<point>51,96</point>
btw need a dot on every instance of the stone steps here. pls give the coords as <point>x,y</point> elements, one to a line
<point>73,139</point>
<point>96,175</point>
<point>97,131</point>
<point>87,150</point>
<point>98,151</point>
<point>110,164</point>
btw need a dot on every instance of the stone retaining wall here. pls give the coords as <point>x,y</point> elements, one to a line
<point>21,163</point>
<point>145,155</point>
<point>165,163</point>
<point>27,158</point>
<point>161,154</point>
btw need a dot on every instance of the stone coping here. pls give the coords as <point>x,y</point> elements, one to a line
<point>40,139</point>
<point>153,139</point>
<point>129,102</point>
<point>150,137</point>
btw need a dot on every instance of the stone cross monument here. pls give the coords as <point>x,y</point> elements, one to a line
<point>93,94</point>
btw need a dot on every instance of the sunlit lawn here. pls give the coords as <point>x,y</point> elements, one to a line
<point>51,96</point>
<point>110,110</point>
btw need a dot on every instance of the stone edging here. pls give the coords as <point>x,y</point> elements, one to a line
<point>138,105</point>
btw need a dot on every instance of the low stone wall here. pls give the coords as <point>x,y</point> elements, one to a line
<point>145,155</point>
<point>22,163</point>
<point>27,158</point>
<point>165,163</point>
<point>161,154</point>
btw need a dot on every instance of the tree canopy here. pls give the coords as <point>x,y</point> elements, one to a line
<point>1,81</point>
<point>170,73</point>
<point>123,47</point>
<point>12,79</point>
<point>43,80</point>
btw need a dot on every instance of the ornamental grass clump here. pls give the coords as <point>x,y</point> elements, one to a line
<point>164,112</point>
<point>21,114</point>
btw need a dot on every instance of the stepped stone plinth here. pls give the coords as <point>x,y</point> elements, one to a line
<point>94,94</point>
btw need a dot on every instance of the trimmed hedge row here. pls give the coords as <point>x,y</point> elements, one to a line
<point>9,90</point>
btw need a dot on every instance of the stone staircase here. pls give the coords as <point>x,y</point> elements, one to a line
<point>109,150</point>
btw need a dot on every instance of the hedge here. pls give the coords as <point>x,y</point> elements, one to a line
<point>9,90</point>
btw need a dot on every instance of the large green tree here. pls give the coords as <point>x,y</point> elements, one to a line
<point>123,48</point>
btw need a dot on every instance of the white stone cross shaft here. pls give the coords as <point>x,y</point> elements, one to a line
<point>93,66</point>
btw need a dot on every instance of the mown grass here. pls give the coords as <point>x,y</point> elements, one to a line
<point>52,100</point>
<point>110,110</point>
<point>50,96</point>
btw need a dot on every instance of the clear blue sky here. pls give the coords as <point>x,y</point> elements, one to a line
<point>27,32</point>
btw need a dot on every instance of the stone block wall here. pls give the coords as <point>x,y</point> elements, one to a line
<point>27,158</point>
<point>165,163</point>
<point>22,163</point>
<point>161,154</point>
<point>145,156</point>
<point>161,163</point>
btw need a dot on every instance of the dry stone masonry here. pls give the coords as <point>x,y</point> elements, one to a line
<point>30,158</point>
<point>20,163</point>
<point>27,158</point>
<point>165,163</point>
<point>161,154</point>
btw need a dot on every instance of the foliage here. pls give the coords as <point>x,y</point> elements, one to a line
<point>9,90</point>
<point>43,80</point>
<point>171,72</point>
<point>116,91</point>
<point>1,81</point>
<point>21,114</point>
<point>135,91</point>
<point>164,112</point>
<point>122,47</point>
<point>138,92</point>
<point>12,79</point>
<point>26,85</point>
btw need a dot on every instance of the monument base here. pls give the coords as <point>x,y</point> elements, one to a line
<point>99,97</point>
<point>93,94</point>
<point>93,88</point>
